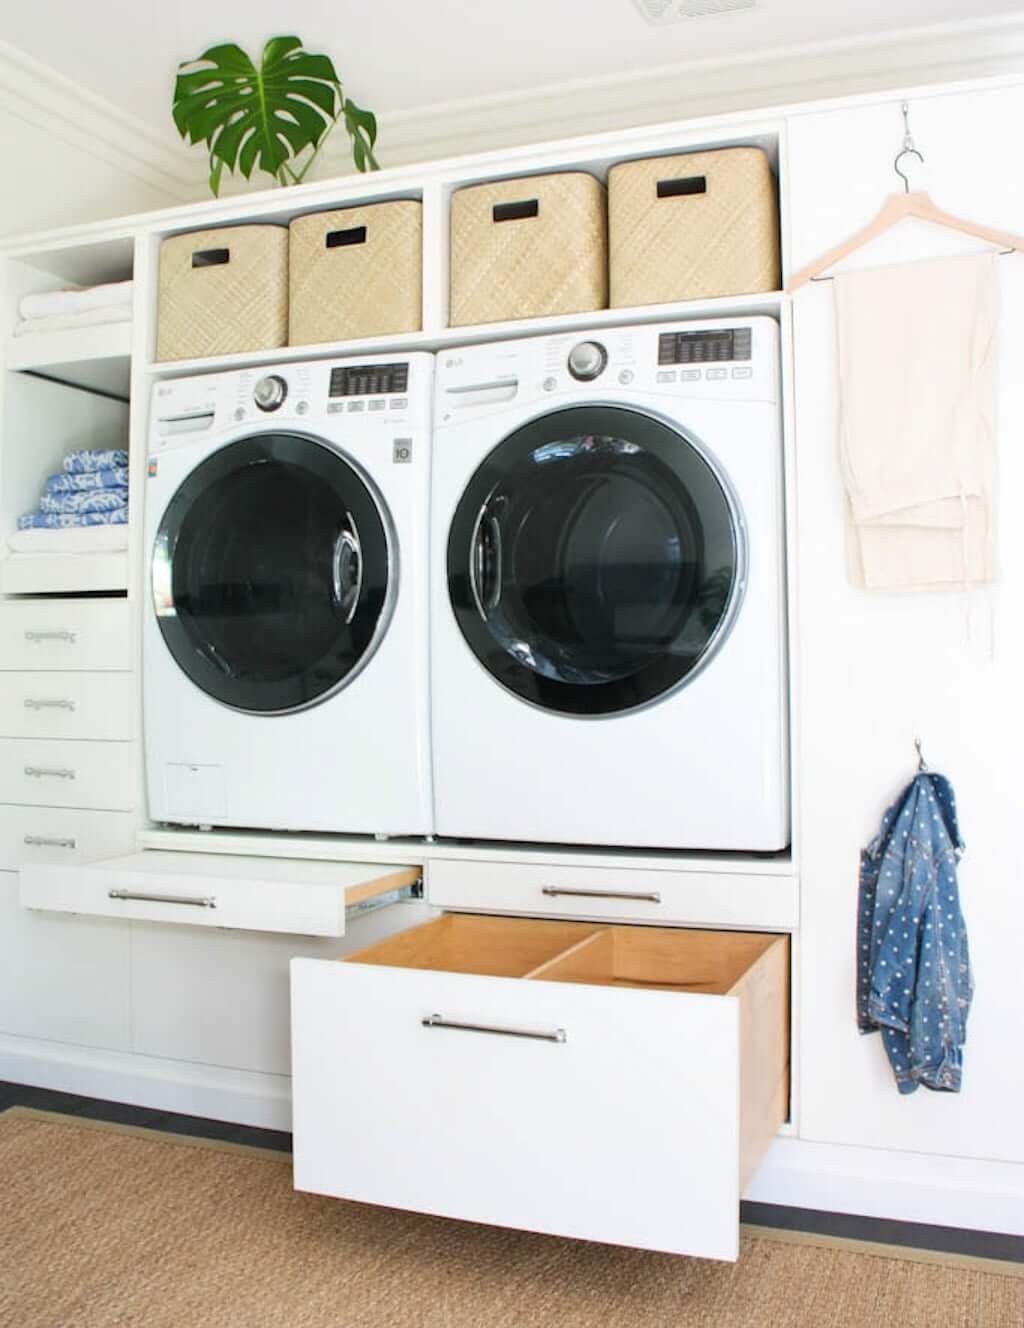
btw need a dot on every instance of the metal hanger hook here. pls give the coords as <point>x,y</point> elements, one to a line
<point>908,149</point>
<point>922,764</point>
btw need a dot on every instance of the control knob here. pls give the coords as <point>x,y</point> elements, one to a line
<point>586,360</point>
<point>270,392</point>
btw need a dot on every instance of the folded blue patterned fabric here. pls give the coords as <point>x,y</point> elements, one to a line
<point>65,520</point>
<point>76,463</point>
<point>114,478</point>
<point>100,500</point>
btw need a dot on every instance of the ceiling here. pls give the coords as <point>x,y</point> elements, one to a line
<point>399,55</point>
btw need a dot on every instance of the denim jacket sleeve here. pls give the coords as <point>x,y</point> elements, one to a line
<point>914,981</point>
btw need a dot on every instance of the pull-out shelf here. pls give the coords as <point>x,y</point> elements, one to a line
<point>614,1083</point>
<point>216,890</point>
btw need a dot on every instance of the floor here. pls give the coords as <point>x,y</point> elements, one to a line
<point>915,1235</point>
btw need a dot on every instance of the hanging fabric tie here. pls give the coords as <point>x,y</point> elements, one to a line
<point>914,981</point>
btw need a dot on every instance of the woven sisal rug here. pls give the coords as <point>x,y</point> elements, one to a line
<point>106,1225</point>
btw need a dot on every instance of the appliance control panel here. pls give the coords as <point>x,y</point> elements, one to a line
<point>305,395</point>
<point>724,359</point>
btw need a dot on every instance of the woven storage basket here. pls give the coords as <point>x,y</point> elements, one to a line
<point>223,290</point>
<point>525,248</point>
<point>356,272</point>
<point>692,227</point>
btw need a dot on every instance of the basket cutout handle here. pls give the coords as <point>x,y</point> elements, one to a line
<point>529,207</point>
<point>211,257</point>
<point>338,239</point>
<point>688,184</point>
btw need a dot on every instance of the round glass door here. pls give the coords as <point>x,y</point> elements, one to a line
<point>594,561</point>
<point>272,573</point>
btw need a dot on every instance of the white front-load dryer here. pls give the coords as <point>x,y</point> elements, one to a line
<point>285,624</point>
<point>608,648</point>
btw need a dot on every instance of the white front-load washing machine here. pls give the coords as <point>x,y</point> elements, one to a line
<point>285,628</point>
<point>608,647</point>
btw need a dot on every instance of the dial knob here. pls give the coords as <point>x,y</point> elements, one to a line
<point>586,360</point>
<point>270,392</point>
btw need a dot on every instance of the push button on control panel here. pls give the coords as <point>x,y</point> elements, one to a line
<point>718,373</point>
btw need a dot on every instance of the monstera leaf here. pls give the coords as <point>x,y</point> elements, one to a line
<point>266,117</point>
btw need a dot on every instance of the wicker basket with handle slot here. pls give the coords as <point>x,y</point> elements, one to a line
<point>528,247</point>
<point>356,272</point>
<point>223,291</point>
<point>693,226</point>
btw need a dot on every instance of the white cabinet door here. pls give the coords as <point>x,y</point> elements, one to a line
<point>64,979</point>
<point>220,997</point>
<point>580,1105</point>
<point>876,670</point>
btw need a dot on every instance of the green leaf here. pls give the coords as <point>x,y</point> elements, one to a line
<point>362,129</point>
<point>249,117</point>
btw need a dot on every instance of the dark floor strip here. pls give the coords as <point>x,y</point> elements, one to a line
<point>913,1235</point>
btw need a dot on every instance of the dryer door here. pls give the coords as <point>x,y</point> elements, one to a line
<point>595,560</point>
<point>273,573</point>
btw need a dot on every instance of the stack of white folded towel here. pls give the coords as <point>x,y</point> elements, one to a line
<point>64,310</point>
<point>87,496</point>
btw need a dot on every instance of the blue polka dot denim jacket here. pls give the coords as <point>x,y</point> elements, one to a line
<point>914,981</point>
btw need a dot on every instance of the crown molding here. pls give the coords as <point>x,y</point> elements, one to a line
<point>62,108</point>
<point>911,58</point>
<point>918,57</point>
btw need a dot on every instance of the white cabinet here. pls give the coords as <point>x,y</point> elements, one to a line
<point>64,979</point>
<point>879,669</point>
<point>612,1083</point>
<point>220,997</point>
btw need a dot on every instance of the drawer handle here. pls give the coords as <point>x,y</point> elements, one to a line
<point>48,703</point>
<point>436,1021</point>
<point>194,901</point>
<point>42,841</point>
<point>48,772</point>
<point>36,637</point>
<point>648,896</point>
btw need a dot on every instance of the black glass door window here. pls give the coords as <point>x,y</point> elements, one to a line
<point>272,570</point>
<point>594,560</point>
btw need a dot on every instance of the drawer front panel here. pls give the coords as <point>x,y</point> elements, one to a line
<point>100,775</point>
<point>65,634</point>
<point>62,835</point>
<point>67,705</point>
<point>602,1113</point>
<point>310,905</point>
<point>711,899</point>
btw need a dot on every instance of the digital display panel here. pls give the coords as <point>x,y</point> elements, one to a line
<point>716,347</point>
<point>369,380</point>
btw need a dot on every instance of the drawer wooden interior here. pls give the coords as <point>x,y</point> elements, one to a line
<point>465,943</point>
<point>662,958</point>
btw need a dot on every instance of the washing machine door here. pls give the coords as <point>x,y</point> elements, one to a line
<point>595,560</point>
<point>273,573</point>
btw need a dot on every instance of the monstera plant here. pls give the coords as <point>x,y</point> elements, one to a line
<point>267,118</point>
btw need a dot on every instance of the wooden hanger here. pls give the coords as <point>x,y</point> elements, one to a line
<point>895,208</point>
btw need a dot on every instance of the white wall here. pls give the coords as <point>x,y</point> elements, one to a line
<point>69,157</point>
<point>878,669</point>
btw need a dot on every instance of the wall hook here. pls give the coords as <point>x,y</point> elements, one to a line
<point>922,764</point>
<point>908,149</point>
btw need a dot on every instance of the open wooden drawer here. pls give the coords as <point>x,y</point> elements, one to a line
<point>614,1083</point>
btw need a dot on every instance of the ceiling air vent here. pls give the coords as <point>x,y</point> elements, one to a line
<point>671,11</point>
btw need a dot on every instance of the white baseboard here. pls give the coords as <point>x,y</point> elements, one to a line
<point>239,1096</point>
<point>908,1187</point>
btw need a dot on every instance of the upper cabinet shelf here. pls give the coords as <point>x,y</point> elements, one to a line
<point>97,358</point>
<point>727,307</point>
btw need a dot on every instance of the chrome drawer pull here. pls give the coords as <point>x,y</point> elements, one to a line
<point>195,901</point>
<point>48,703</point>
<point>650,897</point>
<point>436,1021</point>
<point>41,841</point>
<point>35,637</point>
<point>44,772</point>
